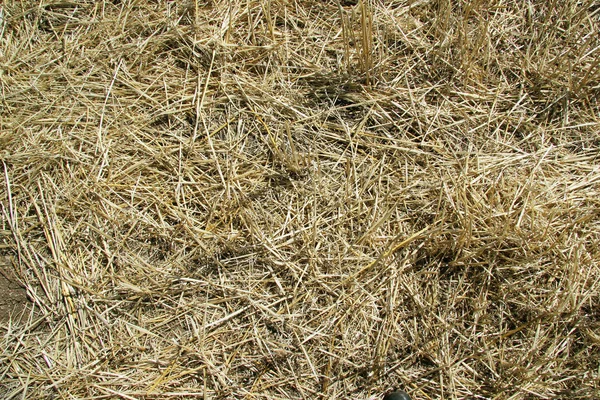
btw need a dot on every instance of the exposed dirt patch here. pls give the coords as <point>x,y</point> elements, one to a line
<point>13,297</point>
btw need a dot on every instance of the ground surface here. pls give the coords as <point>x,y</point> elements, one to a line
<point>293,199</point>
<point>13,297</point>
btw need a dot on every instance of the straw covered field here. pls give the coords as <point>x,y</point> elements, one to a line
<point>300,199</point>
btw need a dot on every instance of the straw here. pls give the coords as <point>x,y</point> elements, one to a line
<point>297,199</point>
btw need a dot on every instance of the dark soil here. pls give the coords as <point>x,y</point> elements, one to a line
<point>13,297</point>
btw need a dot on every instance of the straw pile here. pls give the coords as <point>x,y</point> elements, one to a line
<point>289,199</point>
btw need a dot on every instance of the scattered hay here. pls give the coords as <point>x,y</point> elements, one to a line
<point>296,199</point>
